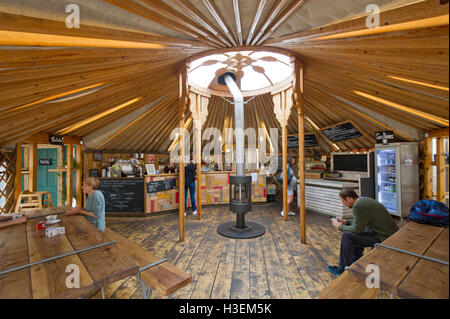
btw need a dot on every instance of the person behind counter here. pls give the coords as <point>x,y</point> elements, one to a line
<point>190,173</point>
<point>171,168</point>
<point>94,209</point>
<point>371,224</point>
<point>292,183</point>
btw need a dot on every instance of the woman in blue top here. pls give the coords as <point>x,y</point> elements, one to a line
<point>94,209</point>
<point>292,183</point>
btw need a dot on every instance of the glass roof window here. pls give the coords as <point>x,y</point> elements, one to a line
<point>255,70</point>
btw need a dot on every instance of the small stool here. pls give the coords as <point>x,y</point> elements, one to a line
<point>33,200</point>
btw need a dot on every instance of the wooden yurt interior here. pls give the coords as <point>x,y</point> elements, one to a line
<point>352,94</point>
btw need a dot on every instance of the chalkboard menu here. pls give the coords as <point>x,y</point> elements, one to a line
<point>342,132</point>
<point>123,195</point>
<point>310,141</point>
<point>161,186</point>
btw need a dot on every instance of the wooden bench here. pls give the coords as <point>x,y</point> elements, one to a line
<point>160,275</point>
<point>347,286</point>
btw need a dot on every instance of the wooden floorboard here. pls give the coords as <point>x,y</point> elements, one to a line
<point>275,265</point>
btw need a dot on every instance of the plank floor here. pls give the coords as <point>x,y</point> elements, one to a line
<point>275,265</point>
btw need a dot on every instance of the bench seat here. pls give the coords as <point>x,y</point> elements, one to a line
<point>165,277</point>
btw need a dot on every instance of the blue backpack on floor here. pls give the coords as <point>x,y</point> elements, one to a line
<point>428,211</point>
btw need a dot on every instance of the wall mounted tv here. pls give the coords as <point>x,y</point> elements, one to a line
<point>350,162</point>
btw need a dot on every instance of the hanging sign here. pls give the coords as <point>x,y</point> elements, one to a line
<point>341,132</point>
<point>56,139</point>
<point>384,137</point>
<point>93,173</point>
<point>45,162</point>
<point>310,141</point>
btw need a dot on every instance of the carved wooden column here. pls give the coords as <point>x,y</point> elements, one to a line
<point>282,109</point>
<point>199,109</point>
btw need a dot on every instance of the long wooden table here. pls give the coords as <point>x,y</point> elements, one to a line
<point>408,276</point>
<point>23,244</point>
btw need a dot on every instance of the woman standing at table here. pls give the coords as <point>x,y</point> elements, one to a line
<point>94,209</point>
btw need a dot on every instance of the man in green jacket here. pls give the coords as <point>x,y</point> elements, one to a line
<point>371,224</point>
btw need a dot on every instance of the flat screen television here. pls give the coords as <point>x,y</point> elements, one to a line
<point>349,162</point>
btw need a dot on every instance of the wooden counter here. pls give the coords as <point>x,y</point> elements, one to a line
<point>215,190</point>
<point>323,196</point>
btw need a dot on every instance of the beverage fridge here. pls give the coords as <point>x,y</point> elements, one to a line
<point>397,176</point>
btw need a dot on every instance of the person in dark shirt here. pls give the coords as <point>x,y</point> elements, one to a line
<point>190,173</point>
<point>171,168</point>
<point>371,224</point>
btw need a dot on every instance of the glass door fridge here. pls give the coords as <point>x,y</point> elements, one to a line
<point>387,179</point>
<point>397,176</point>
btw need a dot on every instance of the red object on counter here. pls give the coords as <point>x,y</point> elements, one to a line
<point>40,226</point>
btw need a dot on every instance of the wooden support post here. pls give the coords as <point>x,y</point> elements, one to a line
<point>18,179</point>
<point>60,201</point>
<point>79,173</point>
<point>428,169</point>
<point>284,152</point>
<point>300,102</point>
<point>69,175</point>
<point>440,169</point>
<point>182,102</point>
<point>33,166</point>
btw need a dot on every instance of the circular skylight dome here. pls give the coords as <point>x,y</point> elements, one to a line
<point>255,70</point>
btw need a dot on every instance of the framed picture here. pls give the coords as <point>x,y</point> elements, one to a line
<point>150,169</point>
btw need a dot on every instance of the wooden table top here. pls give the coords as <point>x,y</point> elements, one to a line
<point>23,244</point>
<point>407,276</point>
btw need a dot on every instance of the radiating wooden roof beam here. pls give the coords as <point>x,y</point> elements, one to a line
<point>258,14</point>
<point>289,11</point>
<point>276,8</point>
<point>165,10</point>
<point>220,20</point>
<point>237,15</point>
<point>421,114</point>
<point>96,117</point>
<point>201,19</point>
<point>145,12</point>
<point>53,97</point>
<point>438,87</point>
<point>12,38</point>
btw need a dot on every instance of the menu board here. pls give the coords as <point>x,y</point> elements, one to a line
<point>310,141</point>
<point>342,132</point>
<point>161,186</point>
<point>123,195</point>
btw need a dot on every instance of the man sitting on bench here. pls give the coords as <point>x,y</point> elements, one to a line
<point>371,224</point>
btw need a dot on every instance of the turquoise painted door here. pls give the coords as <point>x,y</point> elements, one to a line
<point>48,181</point>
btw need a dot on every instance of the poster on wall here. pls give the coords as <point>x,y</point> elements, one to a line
<point>150,158</point>
<point>98,156</point>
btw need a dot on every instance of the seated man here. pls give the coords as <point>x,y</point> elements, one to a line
<point>371,224</point>
<point>6,221</point>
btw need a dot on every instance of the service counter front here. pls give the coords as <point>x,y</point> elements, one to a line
<point>322,196</point>
<point>159,193</point>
